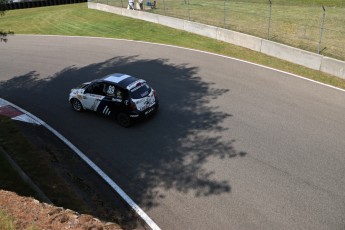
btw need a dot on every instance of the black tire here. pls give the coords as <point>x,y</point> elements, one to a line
<point>123,120</point>
<point>76,105</point>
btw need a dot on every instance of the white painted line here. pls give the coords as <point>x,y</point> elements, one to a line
<point>194,50</point>
<point>104,176</point>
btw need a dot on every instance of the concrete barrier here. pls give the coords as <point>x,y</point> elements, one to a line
<point>201,29</point>
<point>105,8</point>
<point>333,66</point>
<point>175,23</point>
<point>291,54</point>
<point>114,10</point>
<point>149,17</point>
<point>130,13</point>
<point>92,5</point>
<point>288,53</point>
<point>240,39</point>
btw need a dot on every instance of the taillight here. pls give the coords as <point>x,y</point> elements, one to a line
<point>133,106</point>
<point>154,93</point>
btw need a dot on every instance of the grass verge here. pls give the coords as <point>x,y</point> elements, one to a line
<point>59,173</point>
<point>35,163</point>
<point>9,178</point>
<point>6,221</point>
<point>294,23</point>
<point>78,20</point>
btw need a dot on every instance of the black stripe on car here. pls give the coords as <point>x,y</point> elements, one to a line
<point>124,83</point>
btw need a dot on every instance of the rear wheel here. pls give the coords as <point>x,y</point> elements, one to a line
<point>123,120</point>
<point>76,105</point>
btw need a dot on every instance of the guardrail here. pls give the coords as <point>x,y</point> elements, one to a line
<point>298,56</point>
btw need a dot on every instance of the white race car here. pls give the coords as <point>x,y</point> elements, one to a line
<point>119,95</point>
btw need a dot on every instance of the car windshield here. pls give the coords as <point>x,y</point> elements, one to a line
<point>140,91</point>
<point>81,86</point>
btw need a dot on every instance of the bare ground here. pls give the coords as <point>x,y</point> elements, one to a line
<point>30,213</point>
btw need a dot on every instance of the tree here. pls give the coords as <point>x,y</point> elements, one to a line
<point>2,7</point>
<point>3,34</point>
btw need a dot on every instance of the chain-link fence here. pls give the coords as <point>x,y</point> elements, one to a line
<point>314,25</point>
<point>15,5</point>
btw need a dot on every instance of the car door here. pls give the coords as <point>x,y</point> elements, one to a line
<point>93,95</point>
<point>112,102</point>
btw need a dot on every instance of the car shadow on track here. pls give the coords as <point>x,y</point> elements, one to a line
<point>167,151</point>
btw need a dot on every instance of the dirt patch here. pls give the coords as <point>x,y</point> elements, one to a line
<point>30,213</point>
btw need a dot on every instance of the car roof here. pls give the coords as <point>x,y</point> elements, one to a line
<point>123,80</point>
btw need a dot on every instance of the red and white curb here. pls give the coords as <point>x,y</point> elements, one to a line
<point>7,110</point>
<point>17,113</point>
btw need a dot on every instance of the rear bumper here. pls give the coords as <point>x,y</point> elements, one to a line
<point>146,113</point>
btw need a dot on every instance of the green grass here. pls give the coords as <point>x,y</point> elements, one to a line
<point>79,20</point>
<point>36,163</point>
<point>9,178</point>
<point>6,221</point>
<point>294,22</point>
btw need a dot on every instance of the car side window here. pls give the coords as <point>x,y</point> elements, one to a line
<point>119,94</point>
<point>89,89</point>
<point>110,90</point>
<point>113,91</point>
<point>96,88</point>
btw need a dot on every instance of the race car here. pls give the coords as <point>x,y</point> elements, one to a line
<point>122,96</point>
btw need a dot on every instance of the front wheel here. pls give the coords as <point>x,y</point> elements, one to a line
<point>123,120</point>
<point>76,105</point>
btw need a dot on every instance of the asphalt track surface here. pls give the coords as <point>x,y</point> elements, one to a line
<point>234,145</point>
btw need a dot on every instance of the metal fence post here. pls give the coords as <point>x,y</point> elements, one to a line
<point>322,28</point>
<point>224,14</point>
<point>269,21</point>
<point>188,10</point>
<point>165,13</point>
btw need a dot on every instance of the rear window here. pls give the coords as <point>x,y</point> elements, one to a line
<point>140,91</point>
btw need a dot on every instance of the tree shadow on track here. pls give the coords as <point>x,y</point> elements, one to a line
<point>168,151</point>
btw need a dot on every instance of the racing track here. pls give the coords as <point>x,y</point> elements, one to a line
<point>234,145</point>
